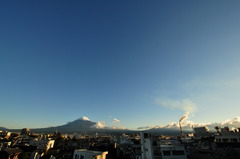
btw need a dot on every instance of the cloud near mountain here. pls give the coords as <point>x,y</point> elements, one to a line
<point>99,125</point>
<point>102,124</point>
<point>187,125</point>
<point>115,121</point>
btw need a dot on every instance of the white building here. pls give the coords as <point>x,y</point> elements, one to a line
<point>161,149</point>
<point>88,154</point>
<point>228,136</point>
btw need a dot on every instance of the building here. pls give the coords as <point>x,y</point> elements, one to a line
<point>11,153</point>
<point>25,131</point>
<point>153,148</point>
<point>227,136</point>
<point>201,132</point>
<point>88,154</point>
<point>5,134</point>
<point>42,144</point>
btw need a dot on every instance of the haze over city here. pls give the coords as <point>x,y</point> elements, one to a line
<point>124,64</point>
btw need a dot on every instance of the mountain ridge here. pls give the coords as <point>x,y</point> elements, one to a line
<point>84,124</point>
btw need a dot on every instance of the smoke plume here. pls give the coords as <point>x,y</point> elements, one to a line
<point>185,116</point>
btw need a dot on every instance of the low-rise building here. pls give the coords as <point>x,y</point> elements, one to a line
<point>201,132</point>
<point>227,137</point>
<point>5,134</point>
<point>25,131</point>
<point>42,144</point>
<point>154,148</point>
<point>88,154</point>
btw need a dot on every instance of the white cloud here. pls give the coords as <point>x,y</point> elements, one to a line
<point>215,93</point>
<point>233,122</point>
<point>186,104</point>
<point>187,125</point>
<point>99,125</point>
<point>145,127</point>
<point>115,121</point>
<point>103,125</point>
<point>119,127</point>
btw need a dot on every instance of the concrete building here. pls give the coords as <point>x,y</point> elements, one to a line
<point>88,154</point>
<point>161,149</point>
<point>227,136</point>
<point>201,132</point>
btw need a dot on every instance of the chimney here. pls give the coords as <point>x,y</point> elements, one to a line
<point>181,129</point>
<point>226,128</point>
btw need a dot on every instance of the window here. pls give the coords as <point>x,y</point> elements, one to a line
<point>234,140</point>
<point>178,152</point>
<point>76,156</point>
<point>154,143</point>
<point>166,153</point>
<point>157,153</point>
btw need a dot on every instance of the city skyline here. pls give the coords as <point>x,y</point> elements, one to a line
<point>131,64</point>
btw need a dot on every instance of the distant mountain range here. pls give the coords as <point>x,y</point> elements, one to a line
<point>80,125</point>
<point>3,128</point>
<point>86,125</point>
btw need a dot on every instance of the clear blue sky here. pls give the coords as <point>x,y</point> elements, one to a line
<point>136,61</point>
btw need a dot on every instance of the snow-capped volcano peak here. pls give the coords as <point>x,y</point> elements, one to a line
<point>84,118</point>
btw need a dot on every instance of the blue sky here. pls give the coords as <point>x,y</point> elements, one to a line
<point>137,61</point>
